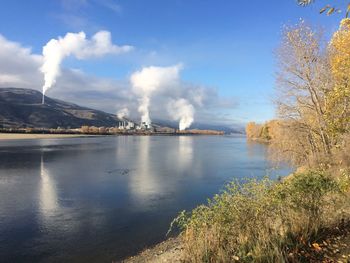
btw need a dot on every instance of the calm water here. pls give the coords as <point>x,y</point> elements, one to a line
<point>103,198</point>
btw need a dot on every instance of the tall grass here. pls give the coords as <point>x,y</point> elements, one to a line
<point>264,221</point>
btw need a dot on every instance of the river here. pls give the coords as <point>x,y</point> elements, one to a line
<point>100,199</point>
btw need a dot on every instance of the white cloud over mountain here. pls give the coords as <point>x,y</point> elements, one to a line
<point>75,44</point>
<point>19,67</point>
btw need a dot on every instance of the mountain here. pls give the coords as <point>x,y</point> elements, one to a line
<point>23,108</point>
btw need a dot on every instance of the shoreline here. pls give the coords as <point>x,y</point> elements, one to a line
<point>32,136</point>
<point>332,245</point>
<point>169,250</point>
<point>4,136</point>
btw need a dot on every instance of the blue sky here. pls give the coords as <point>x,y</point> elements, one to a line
<point>223,45</point>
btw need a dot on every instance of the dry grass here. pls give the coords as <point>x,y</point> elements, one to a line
<point>263,221</point>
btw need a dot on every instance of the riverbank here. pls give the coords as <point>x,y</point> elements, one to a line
<point>333,246</point>
<point>259,140</point>
<point>302,219</point>
<point>170,250</point>
<point>41,133</point>
<point>47,135</point>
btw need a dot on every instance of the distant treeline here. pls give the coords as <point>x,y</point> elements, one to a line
<point>109,131</point>
<point>262,132</point>
<point>202,132</point>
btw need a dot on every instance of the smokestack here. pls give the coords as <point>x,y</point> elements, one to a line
<point>43,99</point>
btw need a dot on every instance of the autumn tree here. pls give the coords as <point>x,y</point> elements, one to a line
<point>84,129</point>
<point>264,132</point>
<point>272,128</point>
<point>313,85</point>
<point>303,82</point>
<point>338,108</point>
<point>253,130</point>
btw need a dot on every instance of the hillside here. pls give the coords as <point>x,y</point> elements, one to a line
<point>23,108</point>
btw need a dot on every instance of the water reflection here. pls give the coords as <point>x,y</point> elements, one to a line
<point>185,152</point>
<point>255,149</point>
<point>144,183</point>
<point>159,171</point>
<point>48,204</point>
<point>101,199</point>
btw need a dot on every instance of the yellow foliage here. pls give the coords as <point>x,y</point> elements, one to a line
<point>340,51</point>
<point>339,97</point>
<point>253,130</point>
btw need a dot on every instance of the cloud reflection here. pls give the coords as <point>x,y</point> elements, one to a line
<point>145,183</point>
<point>48,195</point>
<point>185,153</point>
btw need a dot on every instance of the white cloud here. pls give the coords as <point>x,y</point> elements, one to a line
<point>8,79</point>
<point>181,110</point>
<point>150,80</point>
<point>99,45</point>
<point>19,67</point>
<point>123,113</point>
<point>76,44</point>
<point>17,64</point>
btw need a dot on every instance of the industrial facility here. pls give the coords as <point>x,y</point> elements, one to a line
<point>129,125</point>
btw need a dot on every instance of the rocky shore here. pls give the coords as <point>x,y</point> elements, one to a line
<point>168,251</point>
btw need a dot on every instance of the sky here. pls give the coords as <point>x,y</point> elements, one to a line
<point>222,50</point>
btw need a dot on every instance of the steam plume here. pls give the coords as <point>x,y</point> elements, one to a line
<point>150,80</point>
<point>144,110</point>
<point>77,45</point>
<point>183,111</point>
<point>123,113</point>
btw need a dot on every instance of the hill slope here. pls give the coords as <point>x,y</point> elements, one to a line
<point>23,108</point>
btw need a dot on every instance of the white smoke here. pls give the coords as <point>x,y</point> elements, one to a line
<point>19,68</point>
<point>123,113</point>
<point>144,110</point>
<point>77,45</point>
<point>183,111</point>
<point>150,80</point>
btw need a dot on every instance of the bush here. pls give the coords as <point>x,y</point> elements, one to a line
<point>262,221</point>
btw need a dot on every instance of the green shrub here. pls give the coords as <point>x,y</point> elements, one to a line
<point>262,221</point>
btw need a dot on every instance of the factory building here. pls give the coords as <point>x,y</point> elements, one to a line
<point>129,125</point>
<point>126,125</point>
